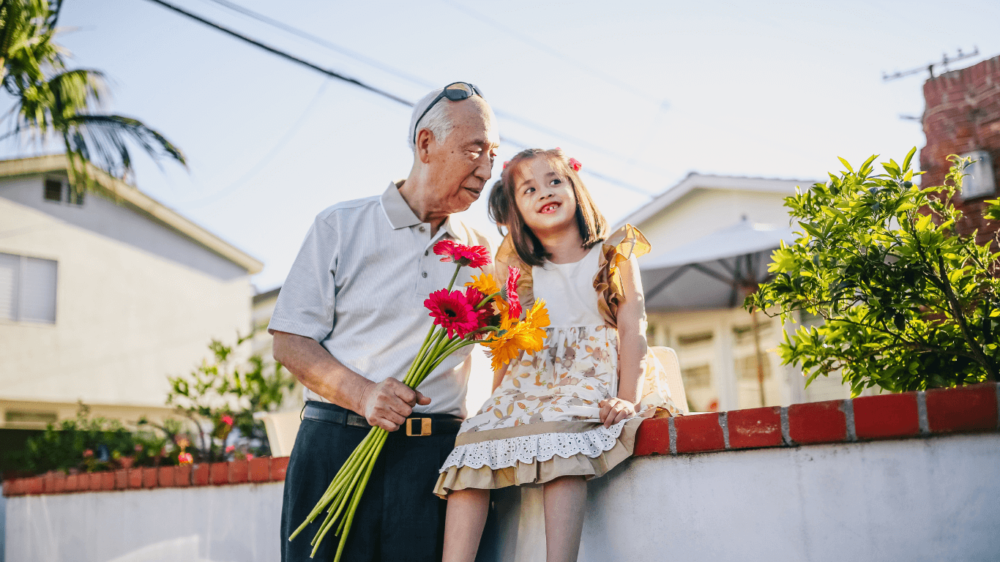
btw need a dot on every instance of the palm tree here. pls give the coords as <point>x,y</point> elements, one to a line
<point>51,101</point>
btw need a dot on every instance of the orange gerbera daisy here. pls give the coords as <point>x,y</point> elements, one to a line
<point>515,337</point>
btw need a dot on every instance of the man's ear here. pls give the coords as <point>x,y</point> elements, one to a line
<point>425,140</point>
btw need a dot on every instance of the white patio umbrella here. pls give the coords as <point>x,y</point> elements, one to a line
<point>715,271</point>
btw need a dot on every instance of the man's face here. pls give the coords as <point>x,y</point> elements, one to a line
<point>459,167</point>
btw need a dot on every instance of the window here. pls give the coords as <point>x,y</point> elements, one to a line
<point>27,289</point>
<point>37,418</point>
<point>53,190</point>
<point>697,377</point>
<point>59,191</point>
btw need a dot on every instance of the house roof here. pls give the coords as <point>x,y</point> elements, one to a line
<point>699,181</point>
<point>123,192</point>
<point>266,295</point>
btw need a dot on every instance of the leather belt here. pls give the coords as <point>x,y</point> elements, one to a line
<point>415,426</point>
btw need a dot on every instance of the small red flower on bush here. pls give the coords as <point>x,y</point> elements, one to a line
<point>453,312</point>
<point>88,453</point>
<point>249,457</point>
<point>230,448</point>
<point>469,256</point>
<point>228,420</point>
<point>185,458</point>
<point>510,292</point>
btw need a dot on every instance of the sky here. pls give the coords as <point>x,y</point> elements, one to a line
<point>643,92</point>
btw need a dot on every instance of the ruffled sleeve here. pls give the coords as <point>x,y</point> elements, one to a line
<point>626,242</point>
<point>507,256</point>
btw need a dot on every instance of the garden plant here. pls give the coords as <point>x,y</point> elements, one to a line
<point>908,302</point>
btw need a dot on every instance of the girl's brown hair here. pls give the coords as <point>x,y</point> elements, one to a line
<point>503,206</point>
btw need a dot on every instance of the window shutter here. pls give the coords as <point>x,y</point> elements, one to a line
<point>38,291</point>
<point>9,275</point>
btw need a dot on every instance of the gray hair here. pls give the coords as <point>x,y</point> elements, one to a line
<point>437,120</point>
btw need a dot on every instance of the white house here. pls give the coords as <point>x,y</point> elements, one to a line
<point>716,346</point>
<point>103,295</point>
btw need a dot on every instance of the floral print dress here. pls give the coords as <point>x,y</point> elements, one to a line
<point>543,421</point>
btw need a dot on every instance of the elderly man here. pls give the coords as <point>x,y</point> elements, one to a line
<point>350,319</point>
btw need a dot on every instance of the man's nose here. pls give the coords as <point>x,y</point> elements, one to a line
<point>484,169</point>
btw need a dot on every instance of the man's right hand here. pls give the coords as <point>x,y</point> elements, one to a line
<point>388,403</point>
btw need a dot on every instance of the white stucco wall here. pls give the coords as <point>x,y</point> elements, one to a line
<point>911,500</point>
<point>135,302</point>
<point>212,524</point>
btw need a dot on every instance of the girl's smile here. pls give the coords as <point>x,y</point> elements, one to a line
<point>550,207</point>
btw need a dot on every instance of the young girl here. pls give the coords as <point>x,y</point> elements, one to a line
<point>568,413</point>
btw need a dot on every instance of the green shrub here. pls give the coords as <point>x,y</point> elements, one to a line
<point>218,397</point>
<point>908,302</point>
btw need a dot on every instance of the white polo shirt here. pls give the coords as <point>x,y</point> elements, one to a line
<point>358,288</point>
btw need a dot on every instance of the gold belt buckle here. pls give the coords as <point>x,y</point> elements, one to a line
<point>425,427</point>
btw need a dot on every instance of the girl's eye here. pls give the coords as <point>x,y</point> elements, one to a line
<point>556,181</point>
<point>529,190</point>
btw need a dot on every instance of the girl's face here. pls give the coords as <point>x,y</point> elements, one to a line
<point>545,197</point>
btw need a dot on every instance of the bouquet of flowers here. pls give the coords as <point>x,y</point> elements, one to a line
<point>483,313</point>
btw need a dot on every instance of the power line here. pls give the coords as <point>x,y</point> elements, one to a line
<point>417,80</point>
<point>322,42</point>
<point>263,162</point>
<point>283,54</point>
<point>338,76</point>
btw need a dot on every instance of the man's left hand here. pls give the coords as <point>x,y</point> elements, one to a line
<point>614,410</point>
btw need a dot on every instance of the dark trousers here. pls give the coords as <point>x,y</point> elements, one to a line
<point>398,519</point>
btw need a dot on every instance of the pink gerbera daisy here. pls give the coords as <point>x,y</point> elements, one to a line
<point>453,312</point>
<point>469,256</point>
<point>510,292</point>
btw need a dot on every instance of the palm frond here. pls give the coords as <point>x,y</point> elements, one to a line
<point>104,141</point>
<point>50,100</point>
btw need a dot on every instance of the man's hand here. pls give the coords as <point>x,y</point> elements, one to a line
<point>388,403</point>
<point>614,410</point>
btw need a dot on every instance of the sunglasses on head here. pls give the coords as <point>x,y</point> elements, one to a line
<point>456,91</point>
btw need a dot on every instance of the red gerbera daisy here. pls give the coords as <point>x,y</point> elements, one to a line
<point>510,292</point>
<point>453,312</point>
<point>470,256</point>
<point>474,296</point>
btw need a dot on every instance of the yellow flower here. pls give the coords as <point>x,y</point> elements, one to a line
<point>486,285</point>
<point>515,337</point>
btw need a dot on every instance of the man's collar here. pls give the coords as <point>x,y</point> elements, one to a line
<point>400,215</point>
<point>396,209</point>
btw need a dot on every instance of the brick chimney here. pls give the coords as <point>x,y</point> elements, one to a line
<point>962,115</point>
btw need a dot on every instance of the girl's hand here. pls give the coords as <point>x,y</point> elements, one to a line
<point>614,410</point>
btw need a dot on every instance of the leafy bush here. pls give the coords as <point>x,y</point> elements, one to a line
<point>908,302</point>
<point>215,398</point>
<point>89,444</point>
<point>218,397</point>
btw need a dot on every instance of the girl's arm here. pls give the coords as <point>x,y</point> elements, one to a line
<point>631,334</point>
<point>631,347</point>
<point>498,375</point>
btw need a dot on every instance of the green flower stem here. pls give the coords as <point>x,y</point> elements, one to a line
<point>360,489</point>
<point>420,354</point>
<point>486,300</point>
<point>458,268</point>
<point>369,460</point>
<point>354,506</point>
<point>336,483</point>
<point>445,356</point>
<point>435,349</point>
